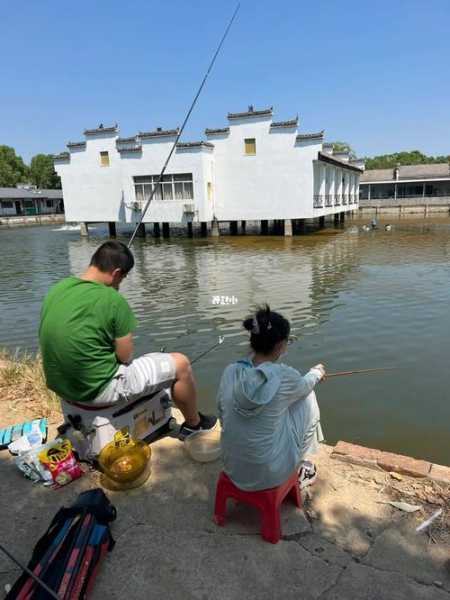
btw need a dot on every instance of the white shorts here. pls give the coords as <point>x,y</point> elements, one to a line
<point>142,377</point>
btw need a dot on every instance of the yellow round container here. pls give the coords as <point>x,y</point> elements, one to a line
<point>125,462</point>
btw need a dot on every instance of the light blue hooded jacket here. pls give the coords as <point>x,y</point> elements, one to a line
<point>270,418</point>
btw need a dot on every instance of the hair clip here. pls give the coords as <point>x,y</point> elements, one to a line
<point>255,328</point>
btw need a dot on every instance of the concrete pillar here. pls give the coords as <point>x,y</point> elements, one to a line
<point>166,230</point>
<point>332,185</point>
<point>112,229</point>
<point>243,227</point>
<point>141,230</point>
<point>321,222</point>
<point>288,228</point>
<point>204,229</point>
<point>190,230</point>
<point>233,227</point>
<point>156,230</point>
<point>322,184</point>
<point>264,227</point>
<point>84,229</point>
<point>215,231</point>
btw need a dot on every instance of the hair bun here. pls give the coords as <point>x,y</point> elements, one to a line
<point>248,324</point>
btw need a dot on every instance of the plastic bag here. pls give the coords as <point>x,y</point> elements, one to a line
<point>61,462</point>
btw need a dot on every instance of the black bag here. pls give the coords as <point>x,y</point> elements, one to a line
<point>67,556</point>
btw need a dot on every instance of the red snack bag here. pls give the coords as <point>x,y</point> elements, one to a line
<point>61,462</point>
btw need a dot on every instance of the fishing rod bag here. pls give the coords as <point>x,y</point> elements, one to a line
<point>68,555</point>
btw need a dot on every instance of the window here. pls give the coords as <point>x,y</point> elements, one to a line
<point>104,159</point>
<point>173,187</point>
<point>7,204</point>
<point>49,203</point>
<point>250,146</point>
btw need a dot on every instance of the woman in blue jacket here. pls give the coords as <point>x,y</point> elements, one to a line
<point>268,410</point>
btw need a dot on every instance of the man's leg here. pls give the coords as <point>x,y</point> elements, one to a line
<point>184,390</point>
<point>184,396</point>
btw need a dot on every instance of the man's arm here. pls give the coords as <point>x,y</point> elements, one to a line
<point>124,348</point>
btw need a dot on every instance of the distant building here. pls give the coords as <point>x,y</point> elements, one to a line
<point>252,169</point>
<point>28,200</point>
<point>411,185</point>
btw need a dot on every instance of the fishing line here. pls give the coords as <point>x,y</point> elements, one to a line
<point>155,187</point>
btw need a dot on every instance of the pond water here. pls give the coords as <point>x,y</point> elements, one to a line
<point>356,300</point>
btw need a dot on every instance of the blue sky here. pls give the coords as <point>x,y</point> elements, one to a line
<point>374,74</point>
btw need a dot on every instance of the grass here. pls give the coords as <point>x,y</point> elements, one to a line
<point>23,392</point>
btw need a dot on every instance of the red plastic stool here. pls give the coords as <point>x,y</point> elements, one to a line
<point>267,501</point>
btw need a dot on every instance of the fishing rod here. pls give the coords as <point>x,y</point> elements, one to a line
<point>359,371</point>
<point>181,335</point>
<point>155,187</point>
<point>52,593</point>
<point>220,342</point>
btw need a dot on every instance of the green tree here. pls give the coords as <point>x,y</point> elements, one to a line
<point>413,157</point>
<point>42,172</point>
<point>344,147</point>
<point>12,168</point>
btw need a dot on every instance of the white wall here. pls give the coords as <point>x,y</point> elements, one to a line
<point>96,193</point>
<point>278,182</point>
<point>275,183</point>
<point>154,154</point>
<point>92,192</point>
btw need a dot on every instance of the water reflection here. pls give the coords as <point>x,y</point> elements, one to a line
<point>355,299</point>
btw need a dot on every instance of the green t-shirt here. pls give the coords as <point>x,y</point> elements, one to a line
<point>79,322</point>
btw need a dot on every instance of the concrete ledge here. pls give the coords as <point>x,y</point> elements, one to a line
<point>440,473</point>
<point>390,462</point>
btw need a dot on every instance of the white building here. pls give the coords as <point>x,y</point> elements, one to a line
<point>253,169</point>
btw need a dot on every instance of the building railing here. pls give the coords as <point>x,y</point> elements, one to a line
<point>403,196</point>
<point>318,201</point>
<point>329,200</point>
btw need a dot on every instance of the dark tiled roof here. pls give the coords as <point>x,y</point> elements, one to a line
<point>97,130</point>
<point>158,133</point>
<point>339,163</point>
<point>251,113</point>
<point>427,171</point>
<point>130,149</point>
<point>13,193</point>
<point>311,136</point>
<point>62,156</point>
<point>76,145</point>
<point>201,144</point>
<point>290,123</point>
<point>128,140</point>
<point>219,130</point>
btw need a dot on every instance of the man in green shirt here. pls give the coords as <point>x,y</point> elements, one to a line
<point>86,339</point>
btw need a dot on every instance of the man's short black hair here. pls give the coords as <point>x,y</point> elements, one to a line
<point>113,255</point>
